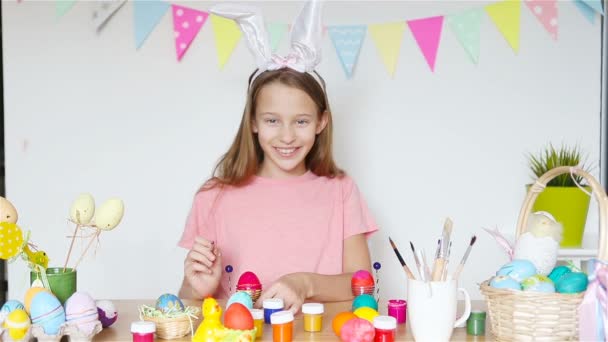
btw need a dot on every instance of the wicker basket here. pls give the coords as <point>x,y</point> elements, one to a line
<point>527,316</point>
<point>170,328</point>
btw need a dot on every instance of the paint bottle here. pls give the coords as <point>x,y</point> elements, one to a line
<point>313,316</point>
<point>385,327</point>
<point>398,308</point>
<point>476,324</point>
<point>282,326</point>
<point>143,331</point>
<point>258,321</point>
<point>271,306</point>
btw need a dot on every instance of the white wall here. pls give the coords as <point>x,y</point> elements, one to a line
<point>88,113</point>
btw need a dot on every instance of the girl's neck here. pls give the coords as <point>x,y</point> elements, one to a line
<point>275,173</point>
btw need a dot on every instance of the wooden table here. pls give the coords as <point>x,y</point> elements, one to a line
<point>127,313</point>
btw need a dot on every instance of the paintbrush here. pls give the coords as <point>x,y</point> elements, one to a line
<point>417,260</point>
<point>439,264</point>
<point>409,273</point>
<point>464,258</point>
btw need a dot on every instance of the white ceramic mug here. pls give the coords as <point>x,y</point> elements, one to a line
<point>432,309</point>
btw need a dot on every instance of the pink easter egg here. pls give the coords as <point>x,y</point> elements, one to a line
<point>357,330</point>
<point>248,281</point>
<point>81,310</point>
<point>362,278</point>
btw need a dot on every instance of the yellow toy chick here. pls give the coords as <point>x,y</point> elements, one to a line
<point>211,328</point>
<point>38,257</point>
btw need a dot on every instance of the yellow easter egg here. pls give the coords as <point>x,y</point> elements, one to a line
<point>82,209</point>
<point>17,323</point>
<point>366,313</point>
<point>109,214</point>
<point>30,294</point>
<point>8,213</point>
<point>11,240</point>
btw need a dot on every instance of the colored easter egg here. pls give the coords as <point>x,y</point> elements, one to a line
<point>366,313</point>
<point>248,281</point>
<point>82,209</point>
<point>10,306</point>
<point>559,272</point>
<point>240,297</point>
<point>169,302</point>
<point>11,240</point>
<point>357,330</point>
<point>573,282</point>
<point>365,300</point>
<point>30,294</point>
<point>109,214</point>
<point>505,282</point>
<point>8,213</point>
<point>17,323</point>
<point>538,283</point>
<point>81,310</point>
<point>362,278</point>
<point>46,311</point>
<point>518,269</point>
<point>107,312</point>
<point>238,317</point>
<point>338,322</point>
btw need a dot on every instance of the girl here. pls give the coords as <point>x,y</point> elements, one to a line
<point>278,205</point>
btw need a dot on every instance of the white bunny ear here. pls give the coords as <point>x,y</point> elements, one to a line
<point>306,34</point>
<point>251,22</point>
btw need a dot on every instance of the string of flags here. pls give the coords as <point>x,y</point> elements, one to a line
<point>346,39</point>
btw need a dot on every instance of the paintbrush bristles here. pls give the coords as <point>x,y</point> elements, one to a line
<point>392,243</point>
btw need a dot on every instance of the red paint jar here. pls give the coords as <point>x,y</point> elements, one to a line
<point>385,327</point>
<point>143,331</point>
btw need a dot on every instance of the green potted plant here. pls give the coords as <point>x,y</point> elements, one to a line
<point>562,197</point>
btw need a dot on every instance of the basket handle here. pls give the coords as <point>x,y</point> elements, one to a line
<point>597,190</point>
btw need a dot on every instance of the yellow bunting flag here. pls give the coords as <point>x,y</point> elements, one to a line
<point>505,15</point>
<point>227,35</point>
<point>387,38</point>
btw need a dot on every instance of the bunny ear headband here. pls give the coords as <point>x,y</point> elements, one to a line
<point>305,37</point>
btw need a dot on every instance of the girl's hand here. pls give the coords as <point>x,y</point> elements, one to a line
<point>203,267</point>
<point>293,288</point>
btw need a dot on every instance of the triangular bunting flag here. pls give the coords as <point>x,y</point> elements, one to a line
<point>227,35</point>
<point>104,10</point>
<point>505,15</point>
<point>466,27</point>
<point>546,12</point>
<point>63,6</point>
<point>347,41</point>
<point>187,22</point>
<point>587,11</point>
<point>427,32</point>
<point>387,38</point>
<point>276,31</point>
<point>596,5</point>
<point>147,14</point>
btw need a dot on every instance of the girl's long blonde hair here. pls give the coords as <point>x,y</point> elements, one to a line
<point>241,162</point>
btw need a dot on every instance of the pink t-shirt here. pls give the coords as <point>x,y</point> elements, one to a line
<point>273,227</point>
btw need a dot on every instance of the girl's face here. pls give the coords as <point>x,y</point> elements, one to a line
<point>286,122</point>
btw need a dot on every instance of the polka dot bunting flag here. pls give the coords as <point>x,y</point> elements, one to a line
<point>187,22</point>
<point>546,12</point>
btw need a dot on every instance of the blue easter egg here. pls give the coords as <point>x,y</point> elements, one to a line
<point>10,306</point>
<point>169,302</point>
<point>240,297</point>
<point>505,282</point>
<point>538,283</point>
<point>573,282</point>
<point>518,269</point>
<point>365,300</point>
<point>46,311</point>
<point>558,272</point>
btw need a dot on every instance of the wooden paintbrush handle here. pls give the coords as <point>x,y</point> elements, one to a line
<point>457,272</point>
<point>408,272</point>
<point>438,269</point>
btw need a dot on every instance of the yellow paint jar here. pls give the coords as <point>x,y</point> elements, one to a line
<point>258,321</point>
<point>313,316</point>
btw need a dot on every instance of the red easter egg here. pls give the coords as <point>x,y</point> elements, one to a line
<point>362,278</point>
<point>238,317</point>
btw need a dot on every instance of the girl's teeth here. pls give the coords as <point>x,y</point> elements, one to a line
<point>286,151</point>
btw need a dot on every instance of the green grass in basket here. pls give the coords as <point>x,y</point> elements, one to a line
<point>551,157</point>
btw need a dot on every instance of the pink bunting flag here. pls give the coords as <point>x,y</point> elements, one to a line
<point>546,12</point>
<point>427,32</point>
<point>187,22</point>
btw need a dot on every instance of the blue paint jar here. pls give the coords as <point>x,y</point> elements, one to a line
<point>271,306</point>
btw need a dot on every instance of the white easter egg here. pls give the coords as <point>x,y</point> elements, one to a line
<point>109,214</point>
<point>82,209</point>
<point>8,213</point>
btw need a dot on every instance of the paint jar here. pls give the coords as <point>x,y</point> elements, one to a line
<point>313,316</point>
<point>143,331</point>
<point>282,326</point>
<point>258,321</point>
<point>476,324</point>
<point>397,308</point>
<point>271,305</point>
<point>385,327</point>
